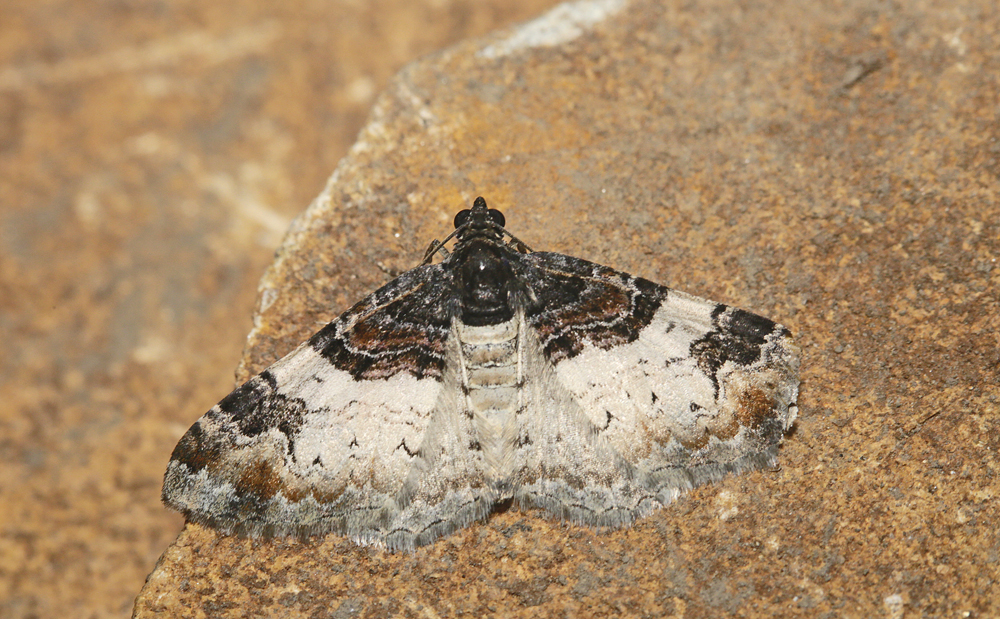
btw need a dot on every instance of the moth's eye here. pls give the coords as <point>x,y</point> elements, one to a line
<point>462,218</point>
<point>497,217</point>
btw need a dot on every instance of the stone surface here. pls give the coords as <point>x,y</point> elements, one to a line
<point>152,155</point>
<point>834,166</point>
<point>831,165</point>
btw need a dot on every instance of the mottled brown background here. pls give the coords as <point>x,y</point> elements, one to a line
<point>833,165</point>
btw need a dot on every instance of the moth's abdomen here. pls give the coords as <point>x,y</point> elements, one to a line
<point>492,382</point>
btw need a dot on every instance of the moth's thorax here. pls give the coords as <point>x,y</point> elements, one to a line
<point>492,381</point>
<point>486,281</point>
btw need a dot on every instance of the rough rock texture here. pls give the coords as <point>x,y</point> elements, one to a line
<point>152,155</point>
<point>835,166</point>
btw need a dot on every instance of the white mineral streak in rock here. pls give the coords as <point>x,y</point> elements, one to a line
<point>560,25</point>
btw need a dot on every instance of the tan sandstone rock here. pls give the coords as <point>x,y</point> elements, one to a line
<point>832,166</point>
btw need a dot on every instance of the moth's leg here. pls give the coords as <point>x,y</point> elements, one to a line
<point>519,246</point>
<point>435,247</point>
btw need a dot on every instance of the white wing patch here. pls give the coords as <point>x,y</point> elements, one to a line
<point>650,383</point>
<point>376,417</point>
<point>661,411</point>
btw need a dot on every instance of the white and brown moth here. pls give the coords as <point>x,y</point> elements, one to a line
<point>497,374</point>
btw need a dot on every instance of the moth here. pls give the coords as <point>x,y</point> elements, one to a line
<point>496,374</point>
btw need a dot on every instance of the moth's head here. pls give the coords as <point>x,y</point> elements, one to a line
<point>479,220</point>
